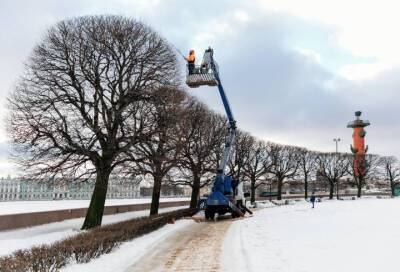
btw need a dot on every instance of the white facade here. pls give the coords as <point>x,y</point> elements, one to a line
<point>9,190</point>
<point>22,189</point>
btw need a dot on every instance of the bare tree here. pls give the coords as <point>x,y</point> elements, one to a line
<point>307,166</point>
<point>257,167</point>
<point>162,152</point>
<point>391,168</point>
<point>75,111</point>
<point>284,164</point>
<point>221,129</point>
<point>332,167</point>
<point>236,165</point>
<point>366,168</point>
<point>200,139</point>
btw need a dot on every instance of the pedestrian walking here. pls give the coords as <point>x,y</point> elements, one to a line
<point>312,199</point>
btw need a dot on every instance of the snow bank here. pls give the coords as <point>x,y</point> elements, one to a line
<point>336,236</point>
<point>128,253</point>
<point>45,234</point>
<point>264,204</point>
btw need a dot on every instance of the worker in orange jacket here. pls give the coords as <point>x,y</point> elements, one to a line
<point>191,59</point>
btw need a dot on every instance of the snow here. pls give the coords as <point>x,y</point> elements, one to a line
<point>13,207</point>
<point>48,233</point>
<point>263,204</point>
<point>361,235</point>
<point>128,253</point>
<point>347,235</point>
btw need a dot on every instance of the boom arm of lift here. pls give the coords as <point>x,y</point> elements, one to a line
<point>221,199</point>
<point>219,184</point>
<point>232,123</point>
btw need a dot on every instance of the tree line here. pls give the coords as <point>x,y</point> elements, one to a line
<point>103,95</point>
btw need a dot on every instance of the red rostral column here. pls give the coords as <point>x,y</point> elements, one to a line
<point>358,149</point>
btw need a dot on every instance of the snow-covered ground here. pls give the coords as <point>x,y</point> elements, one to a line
<point>349,235</point>
<point>128,253</point>
<point>48,233</point>
<point>13,207</point>
<point>361,235</point>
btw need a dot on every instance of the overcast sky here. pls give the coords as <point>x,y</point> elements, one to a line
<point>294,71</point>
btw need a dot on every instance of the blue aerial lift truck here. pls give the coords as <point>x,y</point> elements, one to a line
<point>224,195</point>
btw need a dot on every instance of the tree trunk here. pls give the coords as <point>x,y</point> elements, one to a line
<point>280,184</point>
<point>94,214</point>
<point>359,190</point>
<point>195,192</point>
<point>305,189</point>
<point>253,191</point>
<point>331,189</point>
<point>392,187</point>
<point>337,189</point>
<point>155,198</point>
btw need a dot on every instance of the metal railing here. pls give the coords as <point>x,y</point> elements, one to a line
<point>200,70</point>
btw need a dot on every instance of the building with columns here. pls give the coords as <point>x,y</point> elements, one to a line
<point>28,189</point>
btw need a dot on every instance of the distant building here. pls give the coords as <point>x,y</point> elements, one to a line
<point>9,190</point>
<point>28,189</point>
<point>166,191</point>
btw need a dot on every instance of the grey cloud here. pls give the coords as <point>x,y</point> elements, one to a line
<point>276,92</point>
<point>274,89</point>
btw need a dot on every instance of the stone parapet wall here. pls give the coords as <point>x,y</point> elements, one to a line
<point>22,220</point>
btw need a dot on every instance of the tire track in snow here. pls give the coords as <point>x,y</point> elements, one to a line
<point>197,248</point>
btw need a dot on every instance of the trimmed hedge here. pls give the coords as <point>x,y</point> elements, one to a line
<point>85,246</point>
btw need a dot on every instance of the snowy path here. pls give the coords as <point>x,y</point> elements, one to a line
<point>361,235</point>
<point>183,246</point>
<point>122,258</point>
<point>195,248</point>
<point>45,234</point>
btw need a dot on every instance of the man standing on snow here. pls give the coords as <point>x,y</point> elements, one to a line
<point>312,199</point>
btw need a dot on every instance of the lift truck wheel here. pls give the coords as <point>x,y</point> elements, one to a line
<point>212,215</point>
<point>234,214</point>
<point>209,213</point>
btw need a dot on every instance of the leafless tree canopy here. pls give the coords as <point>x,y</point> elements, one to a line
<point>368,169</point>
<point>390,167</point>
<point>257,166</point>
<point>241,154</point>
<point>74,104</point>
<point>332,167</point>
<point>82,102</point>
<point>307,166</point>
<point>201,139</point>
<point>284,164</point>
<point>158,155</point>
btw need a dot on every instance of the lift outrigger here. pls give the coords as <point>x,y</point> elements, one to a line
<point>223,198</point>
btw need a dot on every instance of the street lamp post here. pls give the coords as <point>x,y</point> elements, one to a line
<point>337,140</point>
